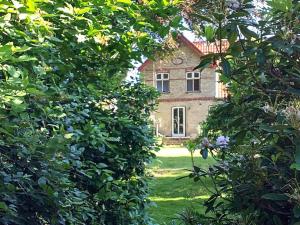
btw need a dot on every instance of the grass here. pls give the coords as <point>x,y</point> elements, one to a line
<point>170,195</point>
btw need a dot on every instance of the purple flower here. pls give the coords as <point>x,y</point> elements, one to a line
<point>70,129</point>
<point>222,141</point>
<point>205,143</point>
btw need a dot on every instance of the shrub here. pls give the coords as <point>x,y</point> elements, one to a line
<point>74,139</point>
<point>257,177</point>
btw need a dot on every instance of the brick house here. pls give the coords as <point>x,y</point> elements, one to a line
<point>186,95</point>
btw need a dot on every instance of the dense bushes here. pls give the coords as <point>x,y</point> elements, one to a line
<point>91,170</point>
<point>74,139</point>
<point>256,177</point>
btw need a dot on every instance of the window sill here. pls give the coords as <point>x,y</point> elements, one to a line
<point>165,93</point>
<point>178,137</point>
<point>191,92</point>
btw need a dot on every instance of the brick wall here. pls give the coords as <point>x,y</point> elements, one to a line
<point>196,112</point>
<point>196,104</point>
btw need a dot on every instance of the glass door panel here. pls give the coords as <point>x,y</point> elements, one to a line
<point>178,121</point>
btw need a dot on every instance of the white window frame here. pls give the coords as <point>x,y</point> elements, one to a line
<point>162,79</point>
<point>184,121</point>
<point>193,78</point>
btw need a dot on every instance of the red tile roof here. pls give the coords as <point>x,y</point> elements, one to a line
<point>207,48</point>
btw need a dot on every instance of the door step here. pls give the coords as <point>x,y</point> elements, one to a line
<point>175,140</point>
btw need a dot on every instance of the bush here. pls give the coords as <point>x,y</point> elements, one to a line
<point>257,175</point>
<point>74,139</point>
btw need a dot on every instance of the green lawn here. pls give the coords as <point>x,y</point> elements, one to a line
<point>170,195</point>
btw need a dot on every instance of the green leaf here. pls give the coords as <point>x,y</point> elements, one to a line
<point>226,67</point>
<point>31,5</point>
<point>209,33</point>
<point>275,197</point>
<point>68,135</point>
<point>261,59</point>
<point>80,11</point>
<point>205,18</point>
<point>42,181</point>
<point>238,14</point>
<point>267,128</point>
<point>276,220</point>
<point>233,35</point>
<point>219,16</point>
<point>240,136</point>
<point>6,50</point>
<point>24,58</point>
<point>296,211</point>
<point>21,49</point>
<point>297,154</point>
<point>12,71</point>
<point>205,62</point>
<point>248,33</point>
<point>281,5</point>
<point>35,91</point>
<point>3,206</point>
<point>102,165</point>
<point>176,21</point>
<point>295,166</point>
<point>127,2</point>
<point>18,107</point>
<point>293,91</point>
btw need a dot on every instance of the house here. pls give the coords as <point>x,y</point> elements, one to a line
<point>186,94</point>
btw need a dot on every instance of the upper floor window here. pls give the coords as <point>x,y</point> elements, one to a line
<point>163,82</point>
<point>193,82</point>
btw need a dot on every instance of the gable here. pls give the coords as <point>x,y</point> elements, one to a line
<point>186,51</point>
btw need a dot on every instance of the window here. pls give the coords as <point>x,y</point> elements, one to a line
<point>193,81</point>
<point>163,82</point>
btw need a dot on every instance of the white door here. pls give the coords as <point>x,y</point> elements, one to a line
<point>178,122</point>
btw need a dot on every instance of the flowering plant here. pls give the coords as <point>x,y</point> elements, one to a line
<point>221,143</point>
<point>256,176</point>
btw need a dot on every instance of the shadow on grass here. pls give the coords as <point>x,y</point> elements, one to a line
<point>171,195</point>
<point>181,162</point>
<point>166,211</point>
<point>166,187</point>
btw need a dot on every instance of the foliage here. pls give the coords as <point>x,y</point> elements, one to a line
<point>190,216</point>
<point>74,140</point>
<point>257,177</point>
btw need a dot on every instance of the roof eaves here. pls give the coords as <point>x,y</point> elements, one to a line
<point>142,67</point>
<point>191,45</point>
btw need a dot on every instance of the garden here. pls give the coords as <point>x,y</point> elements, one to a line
<point>76,142</point>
